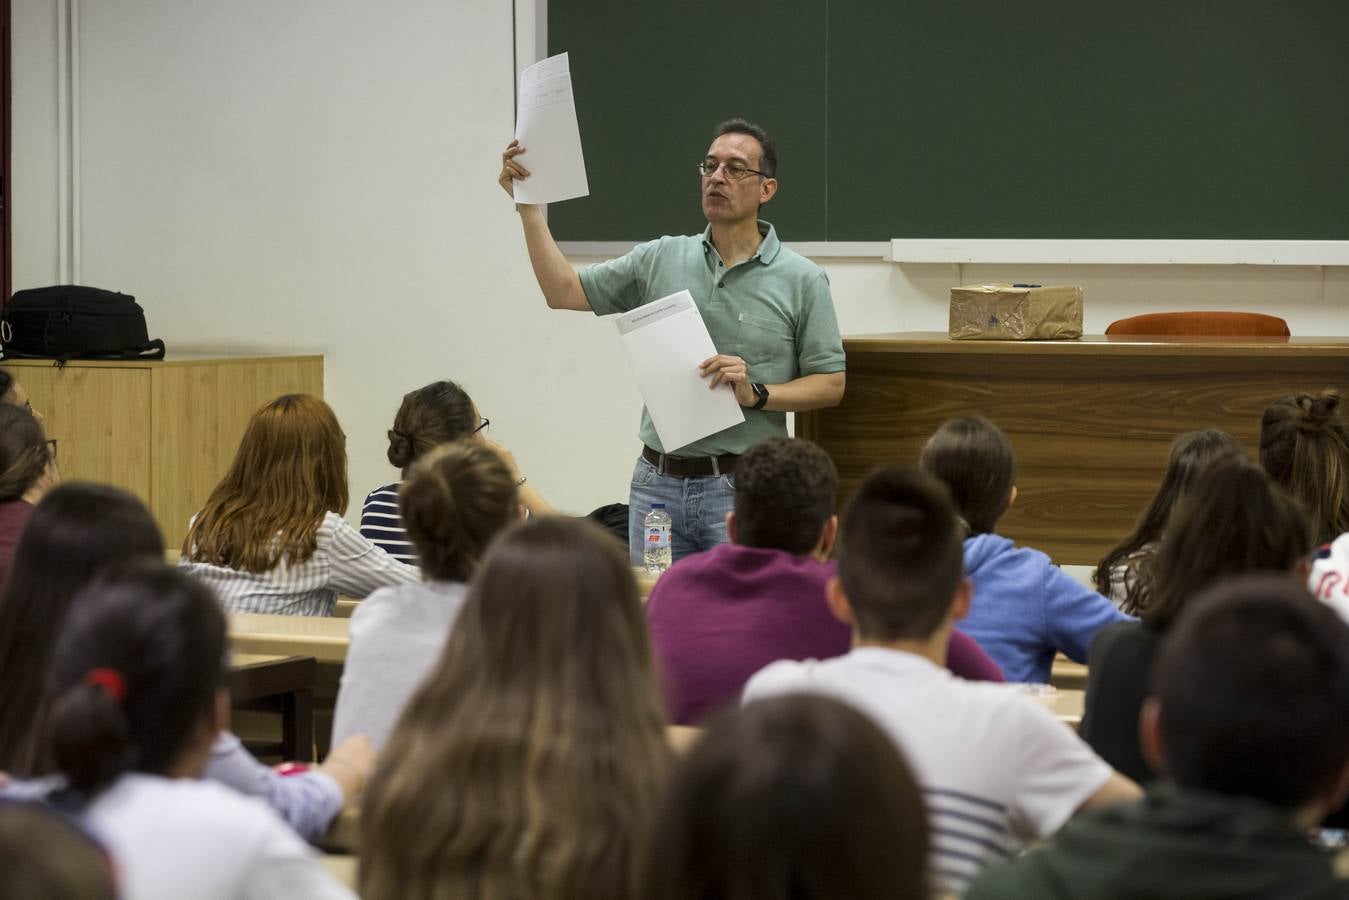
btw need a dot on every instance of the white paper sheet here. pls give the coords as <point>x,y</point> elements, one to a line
<point>665,341</point>
<point>546,127</point>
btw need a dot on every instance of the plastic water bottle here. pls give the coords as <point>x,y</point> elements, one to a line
<point>656,547</point>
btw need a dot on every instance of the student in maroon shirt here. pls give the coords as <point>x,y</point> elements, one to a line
<point>718,617</point>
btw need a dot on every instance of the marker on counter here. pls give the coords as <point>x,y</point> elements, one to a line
<point>1025,285</point>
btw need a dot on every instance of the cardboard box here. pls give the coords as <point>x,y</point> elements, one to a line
<point>1005,312</point>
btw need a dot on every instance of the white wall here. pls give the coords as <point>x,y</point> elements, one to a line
<point>318,175</point>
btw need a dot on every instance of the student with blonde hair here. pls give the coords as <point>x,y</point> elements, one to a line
<point>455,500</point>
<point>530,761</point>
<point>271,537</point>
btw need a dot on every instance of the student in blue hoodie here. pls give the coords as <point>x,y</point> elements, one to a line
<point>1025,609</point>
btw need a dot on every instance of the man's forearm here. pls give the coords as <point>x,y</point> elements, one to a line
<point>557,279</point>
<point>807,392</point>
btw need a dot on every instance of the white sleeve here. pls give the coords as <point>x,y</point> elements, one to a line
<point>287,867</point>
<point>1056,772</point>
<point>782,677</point>
<point>357,567</point>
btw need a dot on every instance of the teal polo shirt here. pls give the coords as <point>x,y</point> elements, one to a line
<point>773,310</point>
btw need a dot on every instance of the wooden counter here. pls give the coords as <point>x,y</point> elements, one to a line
<point>1091,420</point>
<point>165,430</point>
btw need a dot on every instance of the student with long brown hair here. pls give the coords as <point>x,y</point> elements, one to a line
<point>1117,574</point>
<point>1304,446</point>
<point>455,500</point>
<point>1233,520</point>
<point>530,761</point>
<point>271,537</point>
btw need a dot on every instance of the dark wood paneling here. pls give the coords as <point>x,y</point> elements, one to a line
<point>1091,420</point>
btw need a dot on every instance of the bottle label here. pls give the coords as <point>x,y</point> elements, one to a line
<point>657,536</point>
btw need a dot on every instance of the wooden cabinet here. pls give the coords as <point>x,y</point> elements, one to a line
<point>1091,420</point>
<point>165,430</point>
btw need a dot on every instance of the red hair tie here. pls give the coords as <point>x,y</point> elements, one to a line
<point>110,680</point>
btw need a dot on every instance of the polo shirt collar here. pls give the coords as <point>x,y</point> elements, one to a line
<point>768,247</point>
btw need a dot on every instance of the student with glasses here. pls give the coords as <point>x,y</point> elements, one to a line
<point>27,472</point>
<point>768,310</point>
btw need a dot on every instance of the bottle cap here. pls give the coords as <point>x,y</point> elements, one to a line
<point>658,506</point>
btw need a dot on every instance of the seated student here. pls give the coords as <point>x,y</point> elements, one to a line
<point>1249,718</point>
<point>997,769</point>
<point>530,761</point>
<point>27,472</point>
<point>1025,609</point>
<point>1117,574</point>
<point>139,696</point>
<point>436,414</point>
<point>44,856</point>
<point>457,497</point>
<point>718,617</point>
<point>271,537</point>
<point>746,820</point>
<point>1233,520</point>
<point>76,533</point>
<point>1304,446</point>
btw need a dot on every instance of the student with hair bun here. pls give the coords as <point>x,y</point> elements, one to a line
<point>27,472</point>
<point>456,498</point>
<point>432,415</point>
<point>1304,446</point>
<point>138,698</point>
<point>1117,574</point>
<point>799,797</point>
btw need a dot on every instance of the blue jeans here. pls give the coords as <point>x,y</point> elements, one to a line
<point>697,508</point>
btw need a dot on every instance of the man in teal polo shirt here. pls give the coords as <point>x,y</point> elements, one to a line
<point>767,309</point>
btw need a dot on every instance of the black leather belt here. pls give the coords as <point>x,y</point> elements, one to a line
<point>690,466</point>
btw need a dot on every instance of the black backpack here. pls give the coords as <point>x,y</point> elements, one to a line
<point>70,321</point>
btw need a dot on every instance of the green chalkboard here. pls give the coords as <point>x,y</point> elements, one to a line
<point>1161,119</point>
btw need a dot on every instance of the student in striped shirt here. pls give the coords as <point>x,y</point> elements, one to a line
<point>271,537</point>
<point>429,416</point>
<point>997,769</point>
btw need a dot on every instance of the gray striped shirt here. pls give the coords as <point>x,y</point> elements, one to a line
<point>343,563</point>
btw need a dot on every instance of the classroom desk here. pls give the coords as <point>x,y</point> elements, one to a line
<point>1091,420</point>
<point>278,684</point>
<point>323,637</point>
<point>166,430</point>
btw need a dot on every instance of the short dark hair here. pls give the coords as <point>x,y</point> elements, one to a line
<point>900,554</point>
<point>798,796</point>
<point>428,416</point>
<point>1253,684</point>
<point>6,383</point>
<point>768,164</point>
<point>975,460</point>
<point>1234,519</point>
<point>784,493</point>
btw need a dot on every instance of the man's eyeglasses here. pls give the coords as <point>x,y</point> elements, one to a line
<point>735,171</point>
<point>482,426</point>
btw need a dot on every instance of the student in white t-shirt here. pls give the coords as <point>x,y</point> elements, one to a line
<point>139,697</point>
<point>455,500</point>
<point>997,769</point>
